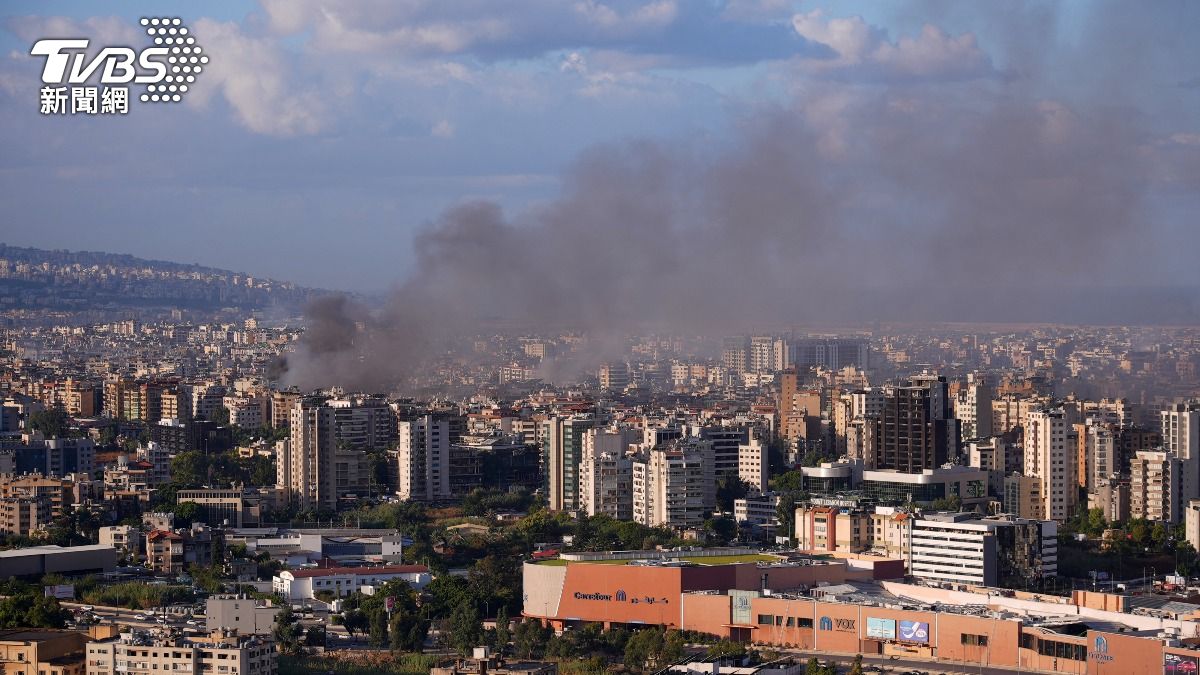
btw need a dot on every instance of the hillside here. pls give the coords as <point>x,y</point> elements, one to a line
<point>32,278</point>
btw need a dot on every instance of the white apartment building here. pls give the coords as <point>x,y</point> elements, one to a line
<point>753,465</point>
<point>423,456</point>
<point>961,548</point>
<point>674,485</point>
<point>758,511</point>
<point>606,472</point>
<point>1181,435</point>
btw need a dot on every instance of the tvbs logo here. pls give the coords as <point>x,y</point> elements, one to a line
<point>167,69</point>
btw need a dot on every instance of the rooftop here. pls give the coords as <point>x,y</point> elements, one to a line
<point>53,548</point>
<point>331,571</point>
<point>690,560</point>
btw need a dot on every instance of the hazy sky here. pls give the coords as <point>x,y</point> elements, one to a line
<point>326,135</point>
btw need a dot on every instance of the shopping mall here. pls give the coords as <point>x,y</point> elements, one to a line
<point>861,606</point>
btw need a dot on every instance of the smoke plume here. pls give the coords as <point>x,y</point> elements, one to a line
<point>986,201</point>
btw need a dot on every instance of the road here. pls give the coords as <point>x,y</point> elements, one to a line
<point>127,617</point>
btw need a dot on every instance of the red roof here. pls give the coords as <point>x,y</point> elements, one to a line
<point>330,571</point>
<point>162,534</point>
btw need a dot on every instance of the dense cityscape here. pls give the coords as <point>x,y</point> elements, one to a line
<point>692,499</point>
<point>599,337</point>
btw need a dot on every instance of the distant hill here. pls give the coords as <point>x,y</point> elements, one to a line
<point>32,278</point>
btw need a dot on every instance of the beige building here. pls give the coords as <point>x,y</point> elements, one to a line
<point>24,516</point>
<point>832,528</point>
<point>1050,456</point>
<point>674,484</point>
<point>1023,496</point>
<point>58,491</point>
<point>753,463</point>
<point>1154,486</point>
<point>226,653</point>
<point>36,651</point>
<point>127,539</point>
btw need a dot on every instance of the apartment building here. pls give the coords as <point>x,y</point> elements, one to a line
<point>673,484</point>
<point>222,653</point>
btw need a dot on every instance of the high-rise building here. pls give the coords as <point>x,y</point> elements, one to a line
<point>674,485</point>
<point>830,353</point>
<point>1050,455</point>
<point>753,465</point>
<point>614,376</point>
<point>1154,486</point>
<point>1097,455</point>
<point>734,352</point>
<point>1181,435</point>
<point>562,445</point>
<point>606,472</point>
<point>325,457</point>
<point>425,458</point>
<point>765,354</point>
<point>973,408</point>
<point>726,440</point>
<point>915,431</point>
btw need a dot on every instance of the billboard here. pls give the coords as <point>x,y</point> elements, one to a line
<point>60,591</point>
<point>881,629</point>
<point>914,631</point>
<point>1178,664</point>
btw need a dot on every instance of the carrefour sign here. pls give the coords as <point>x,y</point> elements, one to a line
<point>619,596</point>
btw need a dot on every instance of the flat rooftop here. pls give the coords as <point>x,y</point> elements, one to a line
<point>666,562</point>
<point>52,548</point>
<point>31,635</point>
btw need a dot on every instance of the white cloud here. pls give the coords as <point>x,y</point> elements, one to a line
<point>443,129</point>
<point>856,44</point>
<point>256,77</point>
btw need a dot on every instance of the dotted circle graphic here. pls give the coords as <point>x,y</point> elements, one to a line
<point>186,59</point>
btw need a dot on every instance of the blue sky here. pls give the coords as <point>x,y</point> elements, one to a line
<point>326,135</point>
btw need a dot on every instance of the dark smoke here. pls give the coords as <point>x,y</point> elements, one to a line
<point>985,202</point>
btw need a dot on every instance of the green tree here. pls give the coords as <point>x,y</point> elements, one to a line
<point>466,630</point>
<point>378,627</point>
<point>189,469</point>
<point>1158,535</point>
<point>187,513</point>
<point>722,530</point>
<point>53,423</point>
<point>730,488</point>
<point>856,667</point>
<point>726,648</point>
<point>530,638</point>
<point>287,631</point>
<point>315,636</point>
<point>30,609</point>
<point>503,635</point>
<point>355,621</point>
<point>220,416</point>
<point>813,667</point>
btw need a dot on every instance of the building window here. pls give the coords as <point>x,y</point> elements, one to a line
<point>764,620</point>
<point>974,640</point>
